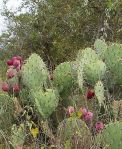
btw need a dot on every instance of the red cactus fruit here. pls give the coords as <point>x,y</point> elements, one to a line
<point>18,68</point>
<point>16,88</point>
<point>19,58</point>
<point>16,63</point>
<point>10,74</point>
<point>90,94</point>
<point>9,62</point>
<point>14,58</point>
<point>5,87</point>
<point>99,126</point>
<point>88,116</point>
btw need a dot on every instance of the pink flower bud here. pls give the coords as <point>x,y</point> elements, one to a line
<point>5,87</point>
<point>70,110</point>
<point>83,110</point>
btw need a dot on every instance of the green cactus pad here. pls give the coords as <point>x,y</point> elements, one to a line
<point>90,68</point>
<point>46,102</point>
<point>113,60</point>
<point>80,75</point>
<point>86,56</point>
<point>13,81</point>
<point>73,129</point>
<point>65,77</point>
<point>6,111</point>
<point>112,136</point>
<point>18,135</point>
<point>34,72</point>
<point>94,71</point>
<point>99,92</point>
<point>100,47</point>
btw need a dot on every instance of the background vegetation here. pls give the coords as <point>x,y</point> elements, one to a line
<point>57,29</point>
<point>56,91</point>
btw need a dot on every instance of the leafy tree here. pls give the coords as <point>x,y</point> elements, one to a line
<point>58,29</point>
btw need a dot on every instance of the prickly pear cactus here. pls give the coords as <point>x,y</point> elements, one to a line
<point>18,135</point>
<point>86,56</point>
<point>117,109</point>
<point>90,68</point>
<point>25,96</point>
<point>34,72</point>
<point>100,47</point>
<point>111,136</point>
<point>46,102</point>
<point>99,92</point>
<point>80,75</point>
<point>6,111</point>
<point>113,60</point>
<point>65,77</point>
<point>94,71</point>
<point>73,129</point>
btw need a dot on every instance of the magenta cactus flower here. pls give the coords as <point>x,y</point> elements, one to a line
<point>99,126</point>
<point>70,110</point>
<point>5,87</point>
<point>88,116</point>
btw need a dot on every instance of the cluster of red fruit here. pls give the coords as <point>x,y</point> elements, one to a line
<point>85,114</point>
<point>14,65</point>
